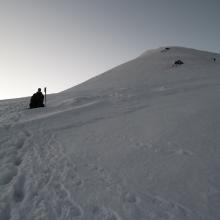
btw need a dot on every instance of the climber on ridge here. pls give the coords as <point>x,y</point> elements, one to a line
<point>37,99</point>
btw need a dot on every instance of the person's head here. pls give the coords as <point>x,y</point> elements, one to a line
<point>39,90</point>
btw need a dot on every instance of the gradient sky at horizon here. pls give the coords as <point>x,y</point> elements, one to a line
<point>61,43</point>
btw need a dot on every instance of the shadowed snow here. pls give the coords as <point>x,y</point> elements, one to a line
<point>140,141</point>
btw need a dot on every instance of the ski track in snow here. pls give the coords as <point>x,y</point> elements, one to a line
<point>43,182</point>
<point>38,181</point>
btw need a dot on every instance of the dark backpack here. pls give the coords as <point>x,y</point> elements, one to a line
<point>37,100</point>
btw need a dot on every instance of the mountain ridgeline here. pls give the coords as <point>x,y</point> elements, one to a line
<point>140,141</point>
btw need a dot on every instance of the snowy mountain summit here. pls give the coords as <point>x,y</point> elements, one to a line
<point>138,142</point>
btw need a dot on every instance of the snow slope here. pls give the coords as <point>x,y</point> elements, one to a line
<point>140,141</point>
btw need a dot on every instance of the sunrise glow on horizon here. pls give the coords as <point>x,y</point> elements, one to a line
<point>62,43</point>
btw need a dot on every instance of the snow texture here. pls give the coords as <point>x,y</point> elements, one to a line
<point>139,142</point>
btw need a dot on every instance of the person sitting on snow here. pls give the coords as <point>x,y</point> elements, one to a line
<point>37,100</point>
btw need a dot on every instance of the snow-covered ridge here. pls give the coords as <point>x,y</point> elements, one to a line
<point>140,141</point>
<point>153,68</point>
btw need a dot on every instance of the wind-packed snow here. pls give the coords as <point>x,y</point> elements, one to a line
<point>139,142</point>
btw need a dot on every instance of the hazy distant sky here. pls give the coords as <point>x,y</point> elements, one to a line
<point>60,43</point>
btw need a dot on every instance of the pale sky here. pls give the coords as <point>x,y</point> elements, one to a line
<point>61,43</point>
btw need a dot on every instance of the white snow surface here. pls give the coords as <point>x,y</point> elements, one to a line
<point>139,142</point>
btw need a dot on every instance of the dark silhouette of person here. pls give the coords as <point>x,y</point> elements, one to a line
<point>37,99</point>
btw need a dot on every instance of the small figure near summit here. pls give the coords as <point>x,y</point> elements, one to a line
<point>165,49</point>
<point>178,62</point>
<point>37,99</point>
